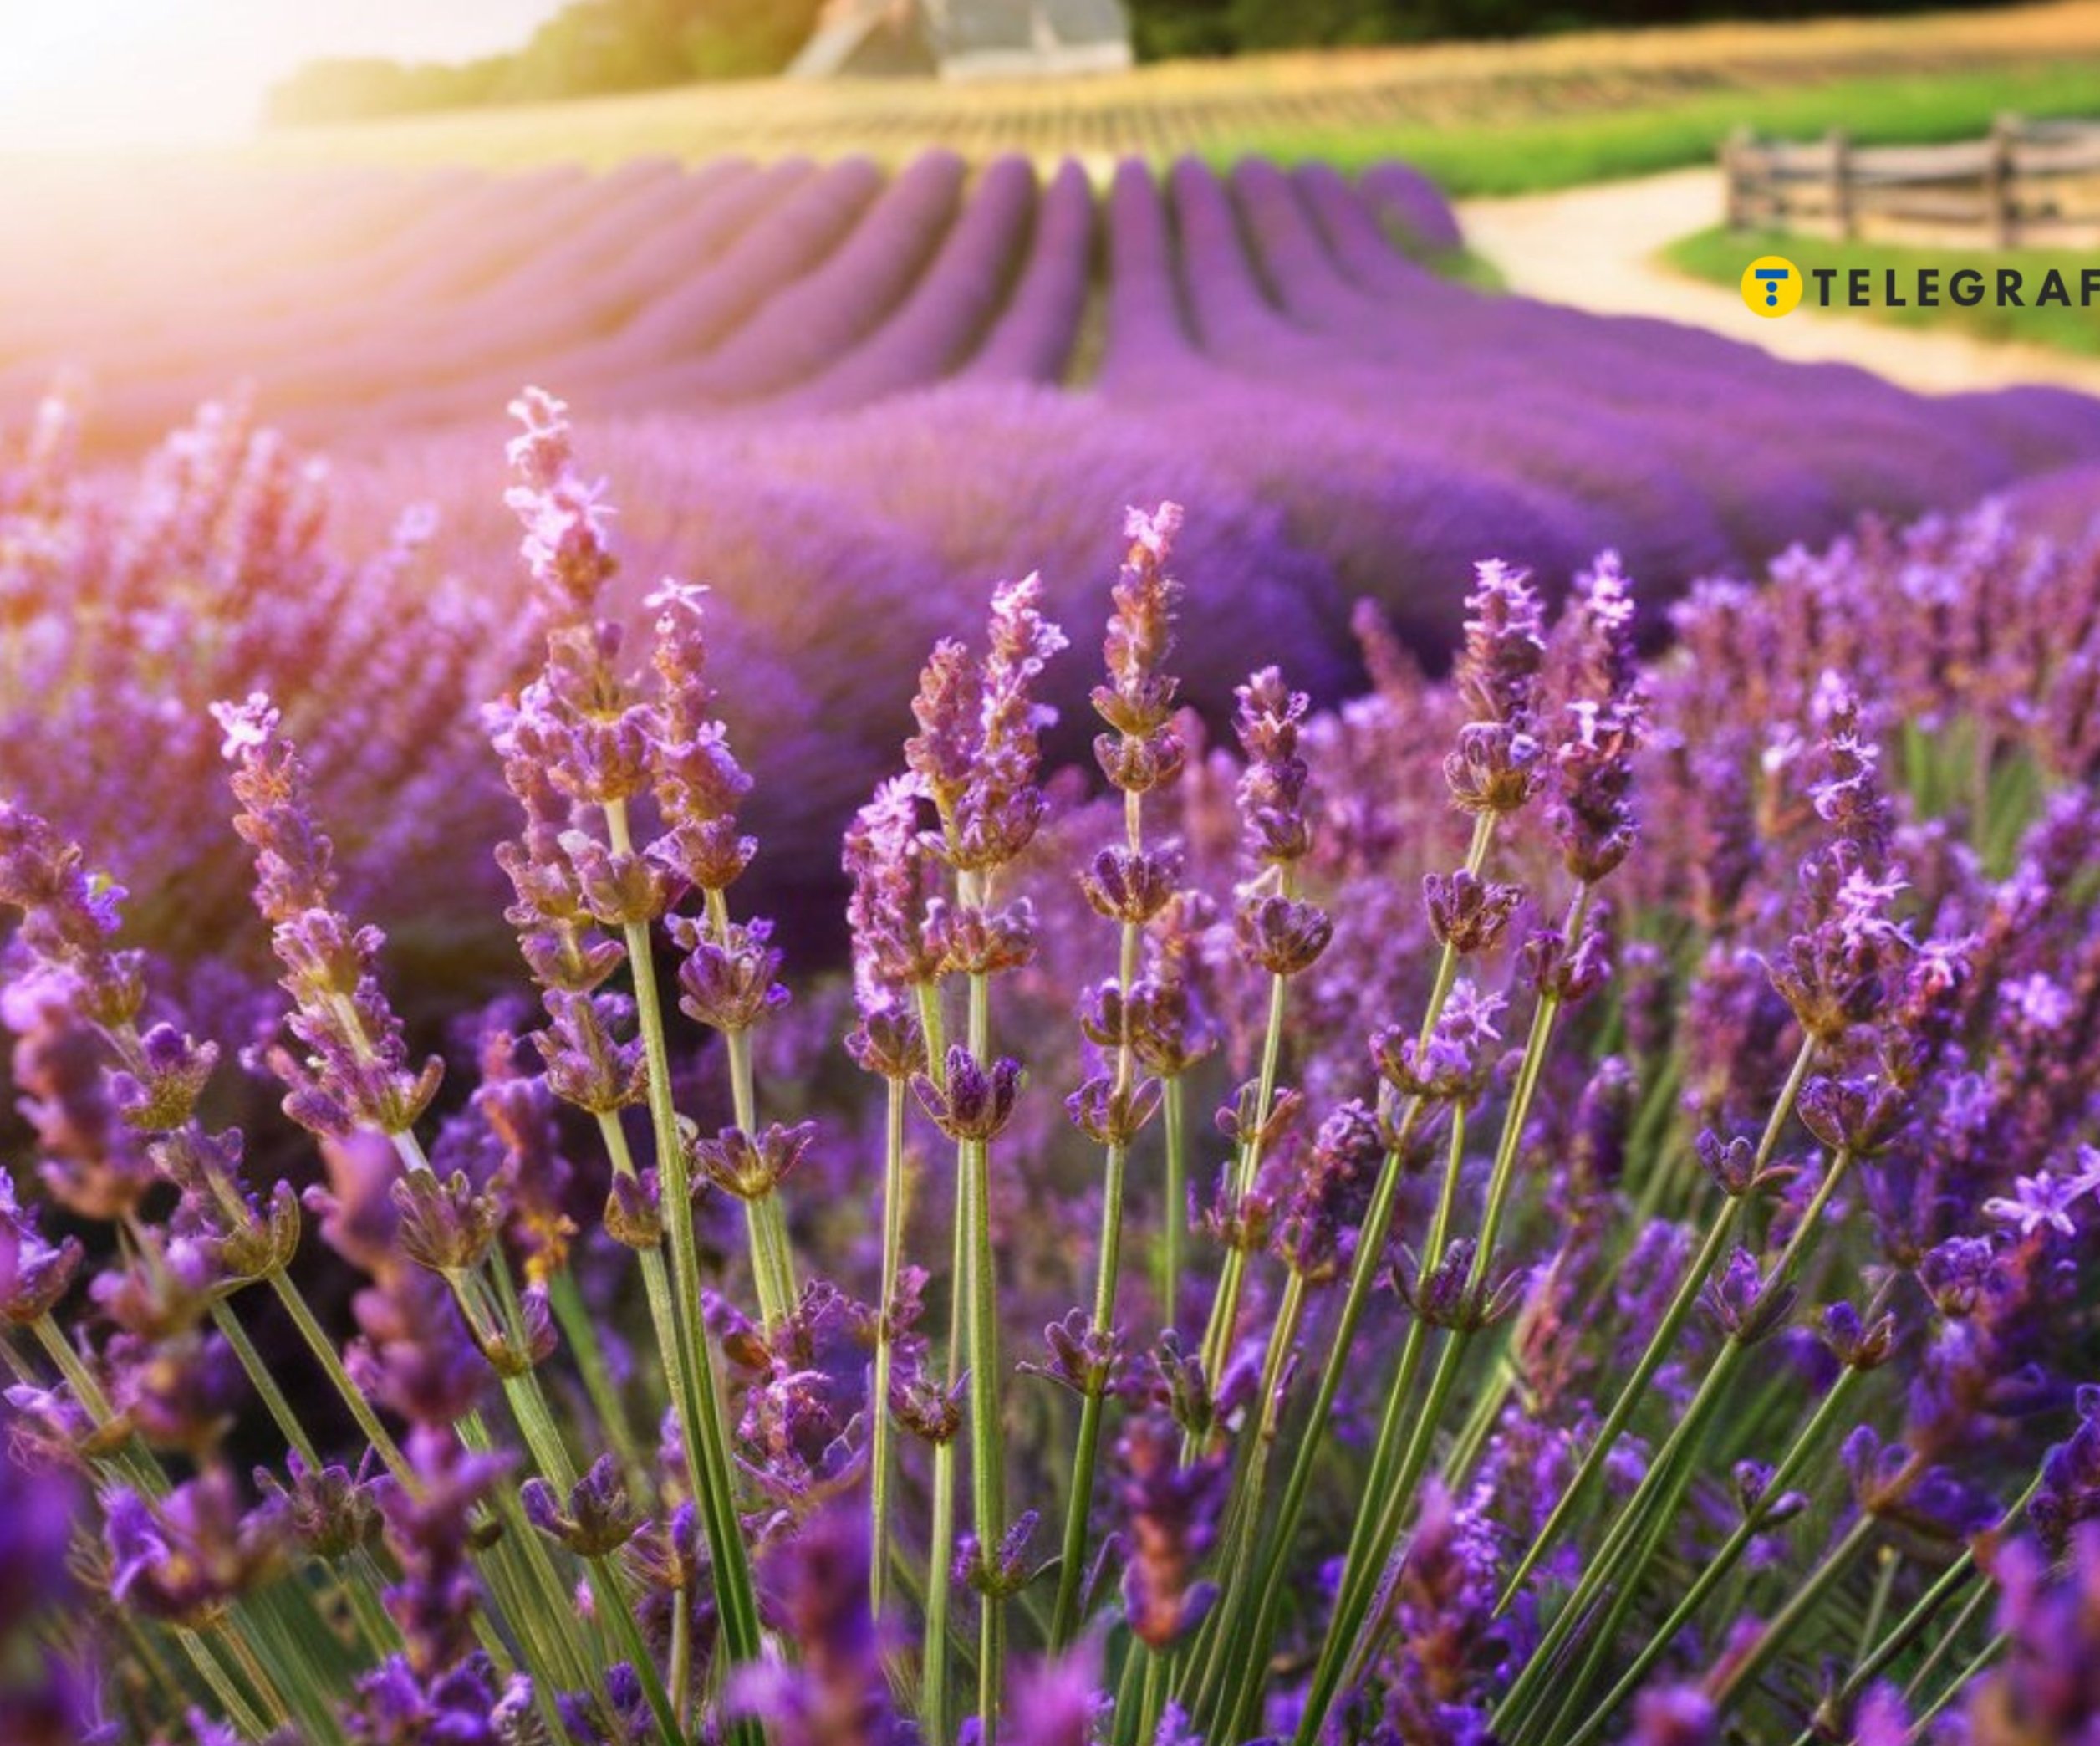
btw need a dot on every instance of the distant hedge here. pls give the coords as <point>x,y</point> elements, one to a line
<point>1166,30</point>
<point>590,48</point>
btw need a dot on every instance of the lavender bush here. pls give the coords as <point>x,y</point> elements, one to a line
<point>128,605</point>
<point>1551,1205</point>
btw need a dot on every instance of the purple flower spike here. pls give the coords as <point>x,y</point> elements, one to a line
<point>1270,721</point>
<point>1144,752</point>
<point>1172,1512</point>
<point>356,1071</point>
<point>1749,1306</point>
<point>186,1557</point>
<point>597,1518</point>
<point>969,1103</point>
<point>978,746</point>
<point>815,1587</point>
<point>1602,724</point>
<point>1454,1066</point>
<point>34,1275</point>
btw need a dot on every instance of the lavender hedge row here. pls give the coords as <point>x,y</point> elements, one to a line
<point>795,292</point>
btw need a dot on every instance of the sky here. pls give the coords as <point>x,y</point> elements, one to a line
<point>129,73</point>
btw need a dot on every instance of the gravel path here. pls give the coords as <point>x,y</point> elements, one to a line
<point>1595,247</point>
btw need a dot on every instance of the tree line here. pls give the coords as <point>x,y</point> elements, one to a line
<point>595,47</point>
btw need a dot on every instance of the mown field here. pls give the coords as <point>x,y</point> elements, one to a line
<point>1483,118</point>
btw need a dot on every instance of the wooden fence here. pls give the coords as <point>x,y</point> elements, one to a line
<point>2027,182</point>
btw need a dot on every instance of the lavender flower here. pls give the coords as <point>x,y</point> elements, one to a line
<point>356,1072</point>
<point>1172,1510</point>
<point>187,1556</point>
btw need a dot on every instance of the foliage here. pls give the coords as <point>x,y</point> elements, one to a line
<point>1168,29</point>
<point>590,48</point>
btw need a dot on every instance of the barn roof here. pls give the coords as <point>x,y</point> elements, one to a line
<point>966,38</point>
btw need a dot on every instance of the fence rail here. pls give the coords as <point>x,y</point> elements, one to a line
<point>2026,182</point>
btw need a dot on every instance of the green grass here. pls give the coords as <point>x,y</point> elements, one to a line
<point>1720,255</point>
<point>1461,266</point>
<point>1559,152</point>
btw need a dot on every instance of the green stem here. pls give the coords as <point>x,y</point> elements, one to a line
<point>143,1471</point>
<point>1064,1619</point>
<point>1924,1610</point>
<point>1174,1221</point>
<point>934,1690</point>
<point>1604,1562</point>
<point>613,1603</point>
<point>1244,1634</point>
<point>1723,1561</point>
<point>699,1402</point>
<point>1660,1344</point>
<point>1989,1653</point>
<point>1240,1538</point>
<point>933,1684</point>
<point>574,1319</point>
<point>883,1458</point>
<point>353,1398</point>
<point>264,1384</point>
<point>1945,1647</point>
<point>237,1707</point>
<point>1806,1597</point>
<point>1369,1553</point>
<point>772,1262</point>
<point>987,1455</point>
<point>1604,1640</point>
<point>275,1710</point>
<point>1155,1699</point>
<point>362,1585</point>
<point>1079,1503</point>
<point>1225,1305</point>
<point>325,1354</point>
<point>548,1615</point>
<point>681,1651</point>
<point>987,1451</point>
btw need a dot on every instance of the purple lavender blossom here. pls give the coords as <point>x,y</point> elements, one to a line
<point>1172,1512</point>
<point>815,1587</point>
<point>356,1071</point>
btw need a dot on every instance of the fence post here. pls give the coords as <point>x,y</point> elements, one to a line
<point>2000,182</point>
<point>1736,169</point>
<point>1840,190</point>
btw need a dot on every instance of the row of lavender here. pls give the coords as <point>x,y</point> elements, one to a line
<point>915,357</point>
<point>1636,1284</point>
<point>406,296</point>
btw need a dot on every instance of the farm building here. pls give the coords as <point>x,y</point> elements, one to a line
<point>966,39</point>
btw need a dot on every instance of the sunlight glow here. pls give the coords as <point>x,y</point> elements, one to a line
<point>77,74</point>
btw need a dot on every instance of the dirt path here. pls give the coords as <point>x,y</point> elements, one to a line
<point>1595,248</point>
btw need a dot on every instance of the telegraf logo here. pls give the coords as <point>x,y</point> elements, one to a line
<point>1772,286</point>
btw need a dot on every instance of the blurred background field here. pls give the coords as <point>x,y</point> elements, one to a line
<point>1481,117</point>
<point>873,342</point>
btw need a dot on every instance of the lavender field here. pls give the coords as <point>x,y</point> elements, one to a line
<point>1090,967</point>
<point>1263,335</point>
